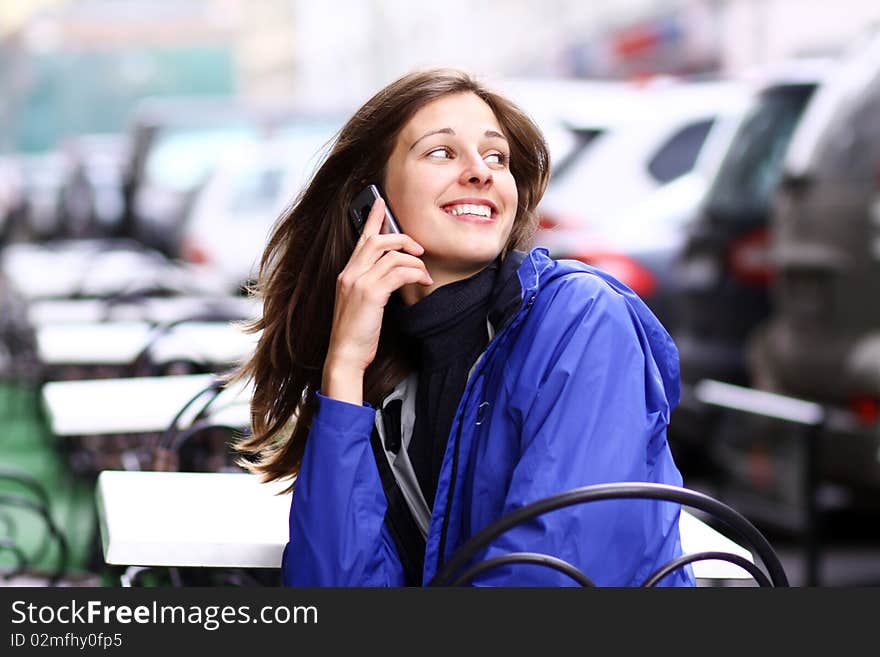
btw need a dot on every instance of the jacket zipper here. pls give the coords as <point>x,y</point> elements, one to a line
<point>444,528</point>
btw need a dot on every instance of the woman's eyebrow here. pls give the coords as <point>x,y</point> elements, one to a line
<point>450,131</point>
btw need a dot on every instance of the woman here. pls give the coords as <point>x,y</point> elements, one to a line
<point>439,378</point>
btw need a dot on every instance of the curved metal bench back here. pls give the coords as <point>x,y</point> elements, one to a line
<point>450,573</point>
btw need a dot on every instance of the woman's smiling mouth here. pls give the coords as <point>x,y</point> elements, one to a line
<point>481,212</point>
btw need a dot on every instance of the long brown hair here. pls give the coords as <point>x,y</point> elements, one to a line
<point>313,240</point>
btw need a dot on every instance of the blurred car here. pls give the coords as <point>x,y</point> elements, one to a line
<point>235,210</point>
<point>43,177</point>
<point>175,143</point>
<point>822,340</point>
<point>724,269</point>
<point>570,112</point>
<point>12,199</point>
<point>621,202</point>
<point>90,200</point>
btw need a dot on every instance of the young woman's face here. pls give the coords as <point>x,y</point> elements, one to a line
<point>448,182</point>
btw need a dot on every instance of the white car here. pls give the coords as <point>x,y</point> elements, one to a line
<point>638,142</point>
<point>623,202</point>
<point>570,111</point>
<point>657,219</point>
<point>237,207</point>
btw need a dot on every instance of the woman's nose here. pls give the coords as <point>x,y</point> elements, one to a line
<point>475,171</point>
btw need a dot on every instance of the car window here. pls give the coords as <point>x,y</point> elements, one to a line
<point>583,137</point>
<point>679,153</point>
<point>751,169</point>
<point>853,141</point>
<point>264,185</point>
<point>181,159</point>
<point>256,191</point>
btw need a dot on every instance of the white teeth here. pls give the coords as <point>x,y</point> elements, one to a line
<point>467,208</point>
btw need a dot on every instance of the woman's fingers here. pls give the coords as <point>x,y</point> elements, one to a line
<point>374,242</point>
<point>373,280</point>
<point>372,226</point>
<point>397,260</point>
<point>379,265</point>
<point>400,276</point>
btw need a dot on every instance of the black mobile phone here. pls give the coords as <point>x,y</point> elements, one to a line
<point>361,206</point>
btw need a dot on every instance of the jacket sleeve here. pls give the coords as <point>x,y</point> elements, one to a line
<point>598,405</point>
<point>338,535</point>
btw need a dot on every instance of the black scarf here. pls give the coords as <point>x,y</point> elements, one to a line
<point>449,331</point>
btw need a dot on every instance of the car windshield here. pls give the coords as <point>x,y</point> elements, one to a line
<point>260,187</point>
<point>256,191</point>
<point>750,171</point>
<point>182,158</point>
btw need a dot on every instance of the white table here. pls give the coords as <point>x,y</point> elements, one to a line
<point>83,343</point>
<point>134,405</point>
<point>97,268</point>
<point>204,342</point>
<point>191,519</point>
<point>157,310</point>
<point>233,520</point>
<point>697,536</point>
<point>119,343</point>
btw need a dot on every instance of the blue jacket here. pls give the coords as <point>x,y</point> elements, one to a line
<point>576,389</point>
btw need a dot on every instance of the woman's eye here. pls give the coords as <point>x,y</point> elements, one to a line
<point>496,158</point>
<point>440,153</point>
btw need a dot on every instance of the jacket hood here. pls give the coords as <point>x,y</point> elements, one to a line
<point>539,270</point>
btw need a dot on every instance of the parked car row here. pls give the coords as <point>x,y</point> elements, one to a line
<point>781,271</point>
<point>205,179</point>
<point>759,250</point>
<point>725,269</point>
<point>821,340</point>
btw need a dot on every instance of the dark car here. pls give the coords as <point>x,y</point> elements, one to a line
<point>822,341</point>
<point>724,272</point>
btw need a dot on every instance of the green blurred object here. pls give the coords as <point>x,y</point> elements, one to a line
<point>69,93</point>
<point>26,446</point>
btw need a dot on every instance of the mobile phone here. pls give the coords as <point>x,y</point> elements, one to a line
<point>361,206</point>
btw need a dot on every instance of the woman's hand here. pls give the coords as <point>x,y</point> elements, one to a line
<point>379,265</point>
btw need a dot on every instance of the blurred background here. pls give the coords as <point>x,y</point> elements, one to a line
<point>720,157</point>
